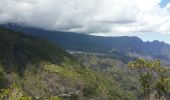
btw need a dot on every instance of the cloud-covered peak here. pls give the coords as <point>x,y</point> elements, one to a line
<point>105,17</point>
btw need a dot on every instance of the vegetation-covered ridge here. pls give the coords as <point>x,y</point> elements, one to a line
<point>147,79</point>
<point>32,68</point>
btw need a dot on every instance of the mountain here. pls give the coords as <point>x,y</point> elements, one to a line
<point>32,68</point>
<point>122,47</point>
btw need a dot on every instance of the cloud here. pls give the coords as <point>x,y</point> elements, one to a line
<point>105,17</point>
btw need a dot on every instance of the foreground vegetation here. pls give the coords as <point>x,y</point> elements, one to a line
<point>154,78</point>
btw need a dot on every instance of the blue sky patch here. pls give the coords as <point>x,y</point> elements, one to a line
<point>164,3</point>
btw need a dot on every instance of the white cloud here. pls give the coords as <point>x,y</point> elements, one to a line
<point>105,17</point>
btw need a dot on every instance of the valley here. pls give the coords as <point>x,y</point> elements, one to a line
<point>84,50</point>
<point>33,68</point>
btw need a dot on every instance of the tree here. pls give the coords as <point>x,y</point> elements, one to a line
<point>162,83</point>
<point>145,76</point>
<point>152,76</point>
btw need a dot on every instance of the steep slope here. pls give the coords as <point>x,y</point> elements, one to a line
<point>113,68</point>
<point>121,46</point>
<point>32,68</point>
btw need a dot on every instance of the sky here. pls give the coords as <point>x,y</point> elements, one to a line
<point>164,3</point>
<point>147,19</point>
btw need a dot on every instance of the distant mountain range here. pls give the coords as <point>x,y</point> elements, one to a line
<point>120,46</point>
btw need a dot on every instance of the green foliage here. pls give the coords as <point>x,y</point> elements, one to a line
<point>25,98</point>
<point>91,83</point>
<point>90,90</point>
<point>65,71</point>
<point>152,77</point>
<point>13,93</point>
<point>3,81</point>
<point>53,98</point>
<point>111,70</point>
<point>18,50</point>
<point>162,85</point>
<point>146,82</point>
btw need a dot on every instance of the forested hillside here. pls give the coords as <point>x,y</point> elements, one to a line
<point>147,79</point>
<point>32,68</point>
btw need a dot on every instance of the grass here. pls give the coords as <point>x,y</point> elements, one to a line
<point>65,71</point>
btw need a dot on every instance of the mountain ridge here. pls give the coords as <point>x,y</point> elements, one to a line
<point>121,46</point>
<point>17,27</point>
